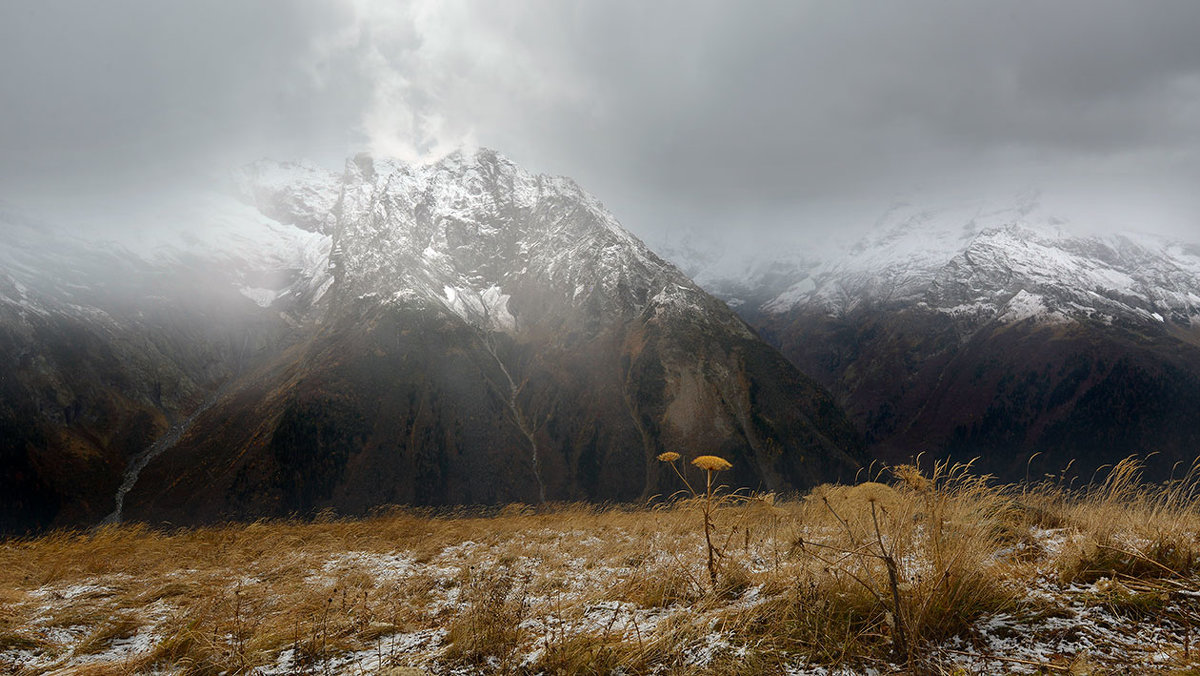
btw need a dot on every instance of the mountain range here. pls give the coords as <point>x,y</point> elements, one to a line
<point>466,332</point>
<point>1001,332</point>
<point>457,332</point>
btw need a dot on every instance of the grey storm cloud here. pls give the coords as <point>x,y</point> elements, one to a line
<point>676,113</point>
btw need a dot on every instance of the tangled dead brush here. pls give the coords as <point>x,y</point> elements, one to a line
<point>922,552</point>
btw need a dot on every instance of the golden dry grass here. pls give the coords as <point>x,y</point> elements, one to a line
<point>908,573</point>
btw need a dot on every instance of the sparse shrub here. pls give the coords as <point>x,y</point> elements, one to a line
<point>922,552</point>
<point>118,627</point>
<point>823,615</point>
<point>585,654</point>
<point>1121,600</point>
<point>489,627</point>
<point>17,640</point>
<point>964,522</point>
<point>735,579</point>
<point>188,647</point>
<point>1126,528</point>
<point>515,509</point>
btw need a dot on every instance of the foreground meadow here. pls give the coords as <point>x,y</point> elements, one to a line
<point>935,573</point>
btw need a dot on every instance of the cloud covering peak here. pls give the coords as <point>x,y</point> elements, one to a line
<point>714,115</point>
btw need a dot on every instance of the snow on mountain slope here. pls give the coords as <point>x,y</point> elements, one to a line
<point>230,245</point>
<point>1105,278</point>
<point>978,261</point>
<point>298,193</point>
<point>469,232</point>
<point>464,232</point>
<point>1006,334</point>
<point>489,335</point>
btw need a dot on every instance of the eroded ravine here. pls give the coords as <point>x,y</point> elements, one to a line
<point>161,444</point>
<point>519,419</point>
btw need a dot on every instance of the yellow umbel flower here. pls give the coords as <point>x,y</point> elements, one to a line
<point>711,463</point>
<point>669,456</point>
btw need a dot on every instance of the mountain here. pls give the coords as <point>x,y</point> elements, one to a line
<point>447,333</point>
<point>104,348</point>
<point>995,332</point>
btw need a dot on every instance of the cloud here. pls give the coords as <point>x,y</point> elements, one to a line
<point>435,70</point>
<point>681,112</point>
<point>769,116</point>
<point>101,96</point>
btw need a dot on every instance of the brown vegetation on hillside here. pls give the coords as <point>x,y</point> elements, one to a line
<point>917,572</point>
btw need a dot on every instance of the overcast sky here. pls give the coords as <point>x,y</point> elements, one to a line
<point>719,116</point>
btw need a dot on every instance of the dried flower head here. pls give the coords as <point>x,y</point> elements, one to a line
<point>669,456</point>
<point>911,476</point>
<point>872,491</point>
<point>711,463</point>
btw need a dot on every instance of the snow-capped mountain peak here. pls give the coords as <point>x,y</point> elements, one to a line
<point>1135,277</point>
<point>983,262</point>
<point>468,232</point>
<point>453,332</point>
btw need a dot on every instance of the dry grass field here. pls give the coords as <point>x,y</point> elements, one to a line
<point>934,573</point>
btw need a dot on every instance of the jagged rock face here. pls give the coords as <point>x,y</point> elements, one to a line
<point>999,334</point>
<point>458,332</point>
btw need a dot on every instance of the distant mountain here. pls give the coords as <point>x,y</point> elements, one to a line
<point>456,332</point>
<point>998,333</point>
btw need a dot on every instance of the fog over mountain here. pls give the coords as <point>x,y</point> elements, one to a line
<point>457,332</point>
<point>781,120</point>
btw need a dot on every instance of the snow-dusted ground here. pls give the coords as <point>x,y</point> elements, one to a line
<point>566,583</point>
